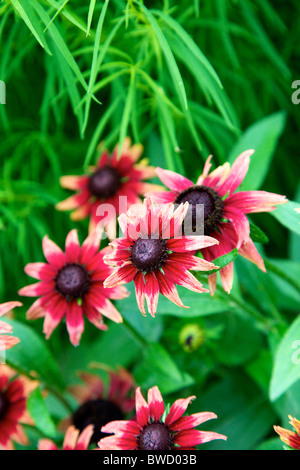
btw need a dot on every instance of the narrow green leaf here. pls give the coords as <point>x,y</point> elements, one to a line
<point>171,62</point>
<point>95,65</point>
<point>90,15</point>
<point>28,16</point>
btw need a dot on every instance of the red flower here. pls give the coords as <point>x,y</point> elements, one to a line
<point>291,438</point>
<point>73,440</point>
<point>14,391</point>
<point>98,403</point>
<point>154,429</point>
<point>224,209</point>
<point>112,178</point>
<point>153,257</point>
<point>71,286</point>
<point>7,342</point>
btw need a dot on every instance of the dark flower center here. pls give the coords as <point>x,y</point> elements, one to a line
<point>212,208</point>
<point>4,404</point>
<point>156,436</point>
<point>72,281</point>
<point>105,182</point>
<point>149,254</point>
<point>97,412</point>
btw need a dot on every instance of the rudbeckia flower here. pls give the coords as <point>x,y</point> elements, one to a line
<point>155,429</point>
<point>225,209</point>
<point>290,438</point>
<point>73,440</point>
<point>151,255</point>
<point>7,342</point>
<point>71,286</point>
<point>113,177</point>
<point>14,391</point>
<point>100,403</point>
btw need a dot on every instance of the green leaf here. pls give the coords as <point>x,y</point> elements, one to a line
<point>39,413</point>
<point>262,136</point>
<point>257,235</point>
<point>157,367</point>
<point>286,369</point>
<point>28,16</point>
<point>288,215</point>
<point>171,62</point>
<point>222,261</point>
<point>33,354</point>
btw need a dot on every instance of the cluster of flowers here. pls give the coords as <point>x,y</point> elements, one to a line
<point>160,245</point>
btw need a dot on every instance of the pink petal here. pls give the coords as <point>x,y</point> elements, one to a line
<point>142,408</point>
<point>156,403</point>
<point>73,182</point>
<point>191,262</point>
<point>249,251</point>
<point>95,317</point>
<point>183,277</point>
<point>255,201</point>
<point>177,409</point>
<point>237,173</point>
<point>7,342</point>
<point>217,177</point>
<point>7,306</point>
<point>46,444</point>
<point>226,274</point>
<point>109,310</point>
<point>53,316</point>
<point>140,291</point>
<point>127,442</point>
<point>151,292</point>
<point>85,437</point>
<point>239,221</point>
<point>121,275</point>
<point>119,427</point>
<point>43,271</point>
<point>168,289</point>
<point>72,247</point>
<point>173,181</point>
<point>37,289</point>
<point>188,422</point>
<point>53,253</point>
<point>89,247</point>
<point>193,437</point>
<point>74,321</point>
<point>212,283</point>
<point>191,243</point>
<point>70,438</point>
<point>207,167</point>
<point>161,197</point>
<point>36,310</point>
<point>5,327</point>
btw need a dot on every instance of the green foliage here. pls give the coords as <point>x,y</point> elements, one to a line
<point>185,79</point>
